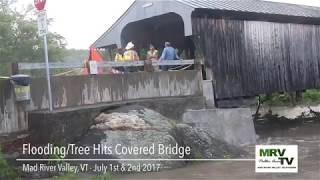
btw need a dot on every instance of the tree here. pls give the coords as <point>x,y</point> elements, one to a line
<point>76,55</point>
<point>19,41</point>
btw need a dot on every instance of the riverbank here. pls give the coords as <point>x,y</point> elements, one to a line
<point>273,127</point>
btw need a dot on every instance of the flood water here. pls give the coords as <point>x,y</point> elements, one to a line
<point>306,136</point>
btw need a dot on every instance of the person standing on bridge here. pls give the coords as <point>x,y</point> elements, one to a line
<point>130,55</point>
<point>119,58</point>
<point>152,55</point>
<point>119,55</point>
<point>168,53</point>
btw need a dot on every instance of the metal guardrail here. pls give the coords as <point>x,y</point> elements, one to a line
<point>32,66</point>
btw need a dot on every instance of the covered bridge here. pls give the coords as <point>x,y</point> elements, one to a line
<point>249,47</point>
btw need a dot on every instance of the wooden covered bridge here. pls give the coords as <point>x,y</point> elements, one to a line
<point>249,47</point>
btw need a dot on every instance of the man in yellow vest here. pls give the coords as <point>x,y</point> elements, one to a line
<point>119,55</point>
<point>130,54</point>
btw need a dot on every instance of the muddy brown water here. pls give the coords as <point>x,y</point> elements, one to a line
<point>306,136</point>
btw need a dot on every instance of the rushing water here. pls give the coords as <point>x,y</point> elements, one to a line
<point>307,136</point>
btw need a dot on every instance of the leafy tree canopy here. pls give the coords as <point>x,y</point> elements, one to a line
<point>19,40</point>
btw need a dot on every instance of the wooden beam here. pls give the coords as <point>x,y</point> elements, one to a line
<point>14,69</point>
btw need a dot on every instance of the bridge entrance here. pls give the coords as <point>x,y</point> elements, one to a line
<point>157,30</point>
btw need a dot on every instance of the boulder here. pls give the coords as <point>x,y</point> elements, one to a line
<point>120,121</point>
<point>136,126</point>
<point>203,145</point>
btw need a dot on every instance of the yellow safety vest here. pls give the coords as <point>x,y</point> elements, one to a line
<point>118,57</point>
<point>131,55</point>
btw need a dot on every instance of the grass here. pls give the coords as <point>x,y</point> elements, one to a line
<point>276,99</point>
<point>312,96</point>
<point>284,99</point>
<point>67,176</point>
<point>59,159</point>
<point>107,176</point>
<point>72,176</point>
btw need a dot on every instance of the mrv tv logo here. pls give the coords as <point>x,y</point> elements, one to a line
<point>277,158</point>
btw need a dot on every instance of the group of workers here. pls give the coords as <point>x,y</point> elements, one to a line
<point>168,53</point>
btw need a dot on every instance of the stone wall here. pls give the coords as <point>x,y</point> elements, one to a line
<point>234,126</point>
<point>70,125</point>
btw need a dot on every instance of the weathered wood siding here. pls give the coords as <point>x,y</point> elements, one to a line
<point>255,57</point>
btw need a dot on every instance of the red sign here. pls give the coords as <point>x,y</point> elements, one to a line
<point>40,4</point>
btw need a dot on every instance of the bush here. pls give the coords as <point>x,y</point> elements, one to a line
<point>312,95</point>
<point>283,99</point>
<point>107,176</point>
<point>277,99</point>
<point>143,54</point>
<point>6,172</point>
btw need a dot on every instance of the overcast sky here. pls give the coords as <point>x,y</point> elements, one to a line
<point>81,22</point>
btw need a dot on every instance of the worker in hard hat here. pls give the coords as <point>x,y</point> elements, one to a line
<point>119,58</point>
<point>119,55</point>
<point>130,55</point>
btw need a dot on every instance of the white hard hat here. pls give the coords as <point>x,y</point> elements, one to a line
<point>130,45</point>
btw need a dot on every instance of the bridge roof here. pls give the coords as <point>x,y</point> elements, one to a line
<point>143,9</point>
<point>255,6</point>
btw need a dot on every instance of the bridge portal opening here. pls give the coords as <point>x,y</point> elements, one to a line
<point>157,30</point>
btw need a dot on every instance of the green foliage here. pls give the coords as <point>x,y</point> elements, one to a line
<point>160,52</point>
<point>197,155</point>
<point>58,159</point>
<point>107,176</point>
<point>107,55</point>
<point>113,54</point>
<point>143,54</point>
<point>312,95</point>
<point>6,172</point>
<point>277,99</point>
<point>19,38</point>
<point>68,176</point>
<point>284,99</point>
<point>76,55</point>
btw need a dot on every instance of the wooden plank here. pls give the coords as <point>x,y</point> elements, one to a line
<point>14,69</point>
<point>248,58</point>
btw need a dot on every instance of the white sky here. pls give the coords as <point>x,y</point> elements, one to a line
<point>81,22</point>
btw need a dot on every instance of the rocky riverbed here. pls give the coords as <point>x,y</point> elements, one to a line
<point>304,132</point>
<point>135,135</point>
<point>138,127</point>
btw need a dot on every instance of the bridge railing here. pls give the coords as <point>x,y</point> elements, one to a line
<point>38,66</point>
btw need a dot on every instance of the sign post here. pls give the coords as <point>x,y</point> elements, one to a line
<point>43,30</point>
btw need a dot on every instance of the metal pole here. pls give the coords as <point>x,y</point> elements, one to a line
<point>48,72</point>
